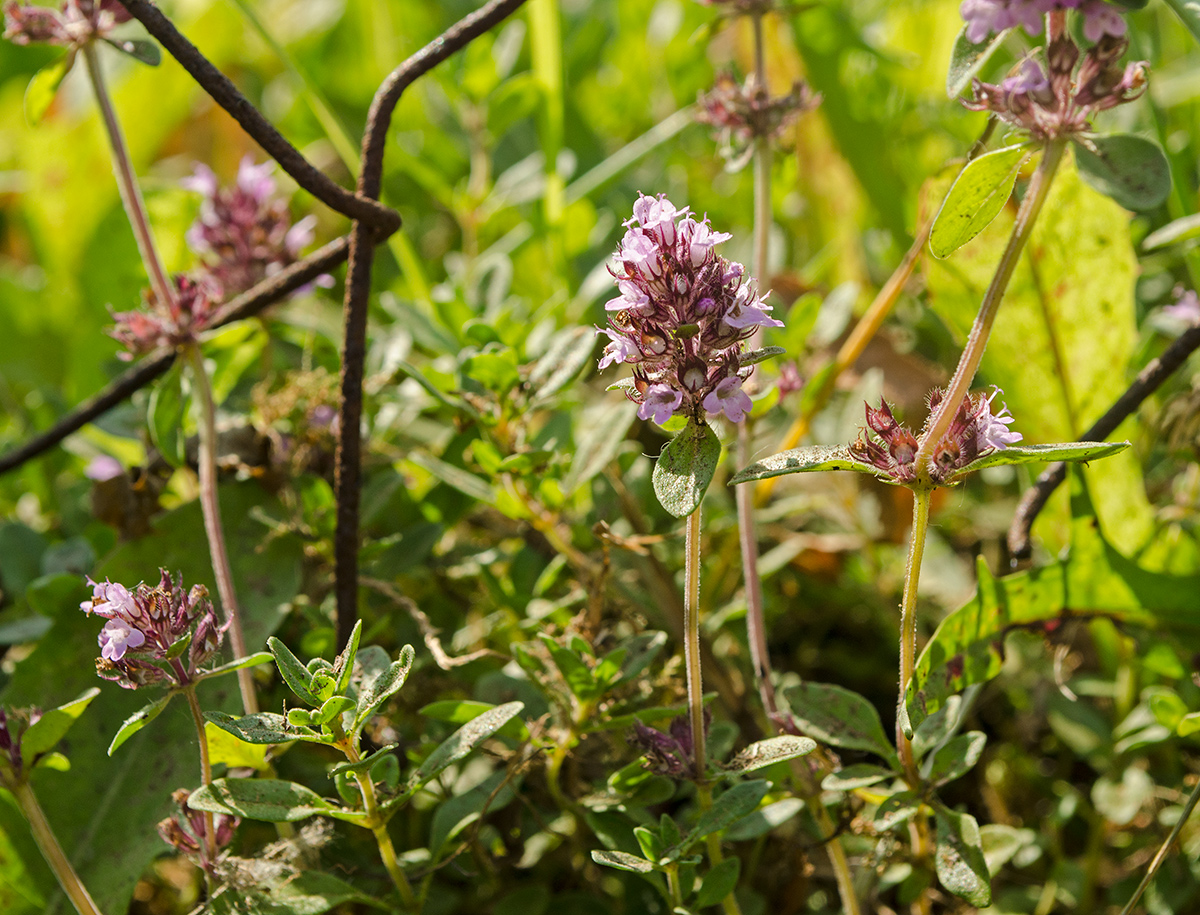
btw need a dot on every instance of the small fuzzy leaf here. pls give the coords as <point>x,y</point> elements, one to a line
<point>975,199</point>
<point>331,708</point>
<point>861,775</point>
<point>344,664</point>
<point>364,764</point>
<point>48,730</point>
<point>1189,724</point>
<point>166,416</point>
<point>622,861</point>
<point>624,385</point>
<point>959,860</point>
<point>251,660</point>
<point>896,810</point>
<point>295,675</point>
<point>718,883</point>
<point>1131,170</point>
<point>967,59</point>
<point>261,727</point>
<point>462,742</point>
<point>756,356</point>
<point>728,808</point>
<point>649,842</point>
<point>138,720</point>
<point>957,757</point>
<point>270,799</point>
<point>1037,454</point>
<point>839,717</point>
<point>231,751</point>
<point>140,49</point>
<point>685,468</point>
<point>804,460</point>
<point>1183,229</point>
<point>763,820</point>
<point>39,95</point>
<point>378,685</point>
<point>769,751</point>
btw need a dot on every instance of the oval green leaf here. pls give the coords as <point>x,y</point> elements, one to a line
<point>48,730</point>
<point>1037,454</point>
<point>770,751</point>
<point>685,468</point>
<point>622,861</point>
<point>966,59</point>
<point>839,717</point>
<point>270,799</point>
<point>804,460</point>
<point>140,49</point>
<point>462,742</point>
<point>137,721</point>
<point>1131,170</point>
<point>957,757</point>
<point>959,860</point>
<point>975,199</point>
<point>42,89</point>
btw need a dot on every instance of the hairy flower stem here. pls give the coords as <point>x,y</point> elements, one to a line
<point>968,363</point>
<point>210,830</point>
<point>908,626</point>
<point>211,508</point>
<point>378,826</point>
<point>52,851</point>
<point>131,194</point>
<point>1161,854</point>
<point>691,642</point>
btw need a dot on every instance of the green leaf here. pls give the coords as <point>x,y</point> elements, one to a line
<point>454,815</point>
<point>1188,12</point>
<point>756,356</point>
<point>48,730</point>
<point>570,350</point>
<point>138,720</point>
<point>39,95</point>
<point>622,861</point>
<point>230,750</point>
<point>860,775</point>
<point>649,841</point>
<point>1189,724</point>
<point>1036,454</point>
<point>261,728</point>
<point>718,883</point>
<point>897,810</point>
<point>166,416</point>
<point>1093,581</point>
<point>958,858</point>
<point>727,809</point>
<point>364,764</point>
<point>297,677</point>
<point>1179,230</point>
<point>378,683</point>
<point>768,752</point>
<point>140,49</point>
<point>841,718</point>
<point>344,664</point>
<point>810,459</point>
<point>1131,170</point>
<point>763,820</point>
<point>599,437</point>
<point>967,59</point>
<point>575,671</point>
<point>331,708</point>
<point>462,742</point>
<point>251,660</point>
<point>685,468</point>
<point>957,757</point>
<point>270,799</point>
<point>976,198</point>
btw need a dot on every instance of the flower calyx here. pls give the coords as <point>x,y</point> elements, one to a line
<point>742,112</point>
<point>73,25</point>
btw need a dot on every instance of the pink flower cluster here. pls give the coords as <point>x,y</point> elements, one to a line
<point>681,317</point>
<point>174,323</point>
<point>986,17</point>
<point>742,111</point>
<point>244,233</point>
<point>152,636</point>
<point>974,432</point>
<point>73,25</point>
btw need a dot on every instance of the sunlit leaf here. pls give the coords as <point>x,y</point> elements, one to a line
<point>42,89</point>
<point>839,717</point>
<point>976,197</point>
<point>958,858</point>
<point>967,59</point>
<point>811,459</point>
<point>48,730</point>
<point>685,468</point>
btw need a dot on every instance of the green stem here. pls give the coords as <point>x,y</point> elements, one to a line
<point>908,625</point>
<point>378,826</point>
<point>211,509</point>
<point>691,642</point>
<point>210,831</point>
<point>1161,855</point>
<point>673,886</point>
<point>131,194</point>
<point>704,794</point>
<point>47,841</point>
<point>968,363</point>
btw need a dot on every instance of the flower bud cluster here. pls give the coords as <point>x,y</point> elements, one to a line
<point>187,832</point>
<point>244,233</point>
<point>671,753</point>
<point>743,111</point>
<point>682,316</point>
<point>986,17</point>
<point>1060,99</point>
<point>13,725</point>
<point>974,432</point>
<point>153,636</point>
<point>174,323</point>
<point>73,25</point>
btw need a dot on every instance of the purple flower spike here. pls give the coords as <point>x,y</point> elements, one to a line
<point>117,637</point>
<point>682,316</point>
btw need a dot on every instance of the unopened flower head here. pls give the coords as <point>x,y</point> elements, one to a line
<point>669,753</point>
<point>187,831</point>
<point>740,112</point>
<point>1054,97</point>
<point>174,323</point>
<point>244,233</point>
<point>153,635</point>
<point>73,25</point>
<point>682,316</point>
<point>975,431</point>
<point>987,17</point>
<point>13,725</point>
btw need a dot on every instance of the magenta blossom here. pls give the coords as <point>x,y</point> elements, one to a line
<point>682,316</point>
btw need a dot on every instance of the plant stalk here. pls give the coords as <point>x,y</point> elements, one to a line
<point>131,194</point>
<point>378,826</point>
<point>968,363</point>
<point>908,625</point>
<point>715,856</point>
<point>210,830</point>
<point>1161,854</point>
<point>52,851</point>
<point>691,642</point>
<point>211,508</point>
